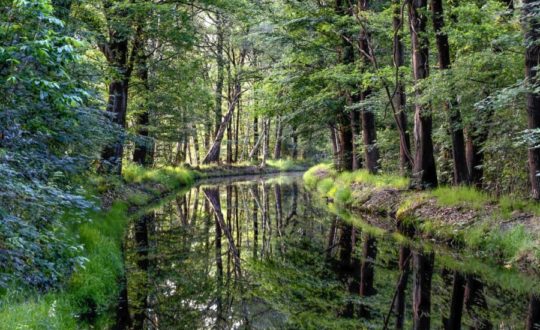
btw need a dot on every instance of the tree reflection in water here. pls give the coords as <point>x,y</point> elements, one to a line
<point>267,254</point>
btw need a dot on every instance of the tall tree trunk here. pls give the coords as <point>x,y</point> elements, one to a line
<point>461,173</point>
<point>423,272</point>
<point>237,131</point>
<point>424,172</point>
<point>116,51</point>
<point>346,52</point>
<point>220,61</point>
<point>335,146</point>
<point>196,146</point>
<point>143,153</point>
<point>532,61</point>
<point>400,100</point>
<point>295,143</point>
<point>279,134</point>
<point>476,138</point>
<point>229,143</point>
<point>266,141</point>
<point>369,128</point>
<point>346,144</point>
<point>256,138</point>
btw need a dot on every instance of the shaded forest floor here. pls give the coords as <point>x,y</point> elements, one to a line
<point>504,230</point>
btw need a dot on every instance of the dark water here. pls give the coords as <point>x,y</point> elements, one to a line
<point>265,253</point>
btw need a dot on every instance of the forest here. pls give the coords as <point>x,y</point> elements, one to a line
<point>269,164</point>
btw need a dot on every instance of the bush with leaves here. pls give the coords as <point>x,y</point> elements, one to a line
<point>50,133</point>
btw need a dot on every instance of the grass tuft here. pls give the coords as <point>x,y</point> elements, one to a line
<point>461,196</point>
<point>168,176</point>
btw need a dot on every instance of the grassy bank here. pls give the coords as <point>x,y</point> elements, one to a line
<point>505,229</point>
<point>89,297</point>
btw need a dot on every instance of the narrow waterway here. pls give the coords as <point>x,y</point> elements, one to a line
<point>264,253</point>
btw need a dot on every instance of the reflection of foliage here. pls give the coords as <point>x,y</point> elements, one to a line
<point>300,285</point>
<point>291,279</point>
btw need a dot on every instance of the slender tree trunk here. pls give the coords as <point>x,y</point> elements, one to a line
<point>196,146</point>
<point>255,138</point>
<point>346,52</point>
<point>266,143</point>
<point>335,146</point>
<point>369,128</point>
<point>400,100</point>
<point>423,272</point>
<point>237,131</point>
<point>117,106</point>
<point>476,138</point>
<point>346,144</point>
<point>532,61</point>
<point>424,173</point>
<point>295,143</point>
<point>220,61</point>
<point>279,134</point>
<point>461,173</point>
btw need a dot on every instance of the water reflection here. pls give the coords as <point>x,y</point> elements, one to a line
<point>267,254</point>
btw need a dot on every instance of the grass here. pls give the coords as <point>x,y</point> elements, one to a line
<point>92,290</point>
<point>484,234</point>
<point>168,176</point>
<point>461,196</point>
<point>378,181</point>
<point>317,173</point>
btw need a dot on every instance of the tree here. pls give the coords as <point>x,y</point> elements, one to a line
<point>532,61</point>
<point>461,173</point>
<point>424,172</point>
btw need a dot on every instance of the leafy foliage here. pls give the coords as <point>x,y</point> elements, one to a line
<point>51,132</point>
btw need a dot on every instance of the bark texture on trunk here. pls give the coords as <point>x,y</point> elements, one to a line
<point>279,134</point>
<point>424,172</point>
<point>369,129</point>
<point>461,173</point>
<point>399,99</point>
<point>532,61</point>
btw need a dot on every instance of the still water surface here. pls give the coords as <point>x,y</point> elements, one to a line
<point>264,253</point>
